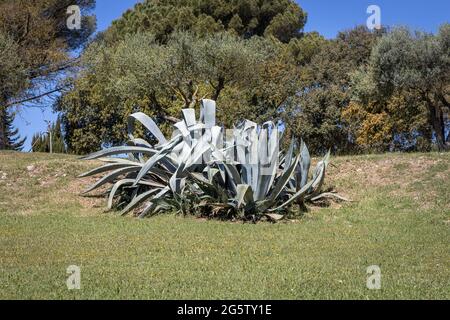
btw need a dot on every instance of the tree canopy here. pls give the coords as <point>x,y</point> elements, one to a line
<point>283,19</point>
<point>324,91</point>
<point>230,51</point>
<point>139,74</point>
<point>406,89</point>
<point>41,141</point>
<point>35,46</point>
<point>363,91</point>
<point>11,139</point>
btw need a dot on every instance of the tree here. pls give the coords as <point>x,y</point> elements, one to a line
<point>39,28</point>
<point>305,48</point>
<point>395,124</point>
<point>35,46</point>
<point>140,74</point>
<point>283,19</point>
<point>13,77</point>
<point>12,80</point>
<point>415,66</point>
<point>10,138</point>
<point>41,141</point>
<point>324,92</point>
<point>165,55</point>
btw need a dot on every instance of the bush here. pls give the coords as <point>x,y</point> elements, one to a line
<point>208,171</point>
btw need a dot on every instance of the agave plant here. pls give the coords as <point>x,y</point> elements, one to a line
<point>206,170</point>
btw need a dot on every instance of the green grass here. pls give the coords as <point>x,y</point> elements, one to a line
<point>399,220</point>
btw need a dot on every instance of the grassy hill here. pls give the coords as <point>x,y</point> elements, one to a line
<point>399,220</point>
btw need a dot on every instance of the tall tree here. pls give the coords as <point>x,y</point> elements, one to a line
<point>41,141</point>
<point>35,46</point>
<point>10,138</point>
<point>13,79</point>
<point>139,74</point>
<point>283,19</point>
<point>324,92</point>
<point>40,28</point>
<point>415,65</point>
<point>165,55</point>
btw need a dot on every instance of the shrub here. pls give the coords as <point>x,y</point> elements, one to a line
<point>208,171</point>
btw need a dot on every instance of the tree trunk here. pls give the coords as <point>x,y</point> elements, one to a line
<point>438,124</point>
<point>446,104</point>
<point>2,126</point>
<point>219,88</point>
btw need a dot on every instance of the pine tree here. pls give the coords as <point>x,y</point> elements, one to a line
<point>9,138</point>
<point>41,141</point>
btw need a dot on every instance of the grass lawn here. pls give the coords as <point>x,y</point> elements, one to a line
<point>399,220</point>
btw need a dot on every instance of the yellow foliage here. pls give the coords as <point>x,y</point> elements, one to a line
<point>370,129</point>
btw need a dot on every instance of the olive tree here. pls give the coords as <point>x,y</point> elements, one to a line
<point>418,62</point>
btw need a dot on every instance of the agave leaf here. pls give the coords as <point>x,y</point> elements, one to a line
<point>208,113</point>
<point>229,174</point>
<point>140,143</point>
<point>267,174</point>
<point>244,195</point>
<point>119,160</point>
<point>330,195</point>
<point>125,182</point>
<point>266,178</point>
<point>305,163</point>
<point>289,155</point>
<point>138,200</point>
<point>197,152</point>
<point>273,144</point>
<point>263,146</point>
<point>229,180</point>
<point>231,169</point>
<point>233,173</point>
<point>177,185</point>
<point>177,182</point>
<point>107,167</point>
<point>111,177</point>
<point>216,136</point>
<point>151,206</point>
<point>148,123</point>
<point>157,157</point>
<point>319,173</point>
<point>212,173</point>
<point>275,217</point>
<point>189,117</point>
<point>305,189</point>
<point>282,181</point>
<point>318,181</point>
<point>222,172</point>
<point>168,164</point>
<point>156,174</point>
<point>206,187</point>
<point>152,184</point>
<point>119,150</point>
<point>299,194</point>
<point>198,177</point>
<point>181,126</point>
<point>162,205</point>
<point>326,159</point>
<point>116,187</point>
<point>197,127</point>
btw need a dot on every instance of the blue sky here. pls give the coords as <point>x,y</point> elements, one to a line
<point>328,17</point>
